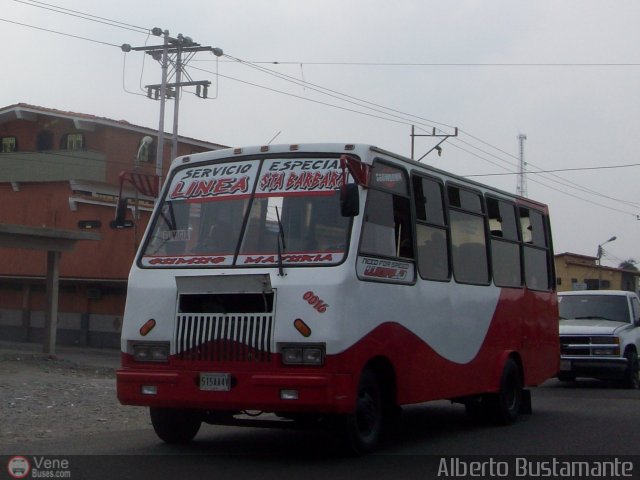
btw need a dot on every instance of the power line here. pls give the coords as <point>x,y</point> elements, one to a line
<point>335,94</point>
<point>562,181</point>
<point>446,64</point>
<point>82,15</point>
<point>347,98</point>
<point>59,33</point>
<point>564,192</point>
<point>359,102</point>
<point>577,169</point>
<point>319,102</point>
<point>403,120</point>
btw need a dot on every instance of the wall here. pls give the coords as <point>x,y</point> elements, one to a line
<point>37,189</point>
<point>586,275</point>
<point>47,205</point>
<point>90,314</point>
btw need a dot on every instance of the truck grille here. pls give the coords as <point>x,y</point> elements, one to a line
<point>588,346</point>
<point>231,338</point>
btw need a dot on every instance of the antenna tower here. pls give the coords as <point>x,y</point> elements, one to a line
<point>521,188</point>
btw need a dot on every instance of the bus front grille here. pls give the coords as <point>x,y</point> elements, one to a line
<point>224,338</point>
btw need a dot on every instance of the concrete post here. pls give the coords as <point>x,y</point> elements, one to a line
<point>51,312</point>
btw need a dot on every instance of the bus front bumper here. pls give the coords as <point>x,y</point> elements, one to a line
<point>271,392</point>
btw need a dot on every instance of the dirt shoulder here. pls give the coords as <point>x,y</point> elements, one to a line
<point>43,398</point>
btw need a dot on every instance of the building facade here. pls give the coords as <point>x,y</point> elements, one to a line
<point>582,272</point>
<point>62,170</point>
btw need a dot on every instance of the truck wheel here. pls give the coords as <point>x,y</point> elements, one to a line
<point>175,425</point>
<point>632,375</point>
<point>505,404</point>
<point>362,429</point>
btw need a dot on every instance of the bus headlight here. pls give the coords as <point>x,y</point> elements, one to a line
<point>300,354</point>
<point>150,351</point>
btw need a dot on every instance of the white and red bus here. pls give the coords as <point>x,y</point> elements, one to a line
<point>338,283</point>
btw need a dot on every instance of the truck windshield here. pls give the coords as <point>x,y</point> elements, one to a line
<point>252,213</point>
<point>605,307</point>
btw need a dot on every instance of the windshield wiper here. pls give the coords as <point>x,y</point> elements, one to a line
<point>281,243</point>
<point>169,220</point>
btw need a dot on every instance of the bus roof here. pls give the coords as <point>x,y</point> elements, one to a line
<point>349,148</point>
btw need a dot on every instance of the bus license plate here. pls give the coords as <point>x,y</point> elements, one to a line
<point>217,382</point>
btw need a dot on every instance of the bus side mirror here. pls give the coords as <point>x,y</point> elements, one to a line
<point>121,213</point>
<point>349,200</point>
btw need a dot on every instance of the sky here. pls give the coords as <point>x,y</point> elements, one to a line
<point>563,73</point>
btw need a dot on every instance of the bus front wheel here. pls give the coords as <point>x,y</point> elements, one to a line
<point>363,428</point>
<point>175,425</point>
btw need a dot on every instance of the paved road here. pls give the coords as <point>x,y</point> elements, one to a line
<point>588,418</point>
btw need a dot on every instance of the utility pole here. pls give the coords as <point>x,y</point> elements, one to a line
<point>599,255</point>
<point>172,53</point>
<point>437,147</point>
<point>521,188</point>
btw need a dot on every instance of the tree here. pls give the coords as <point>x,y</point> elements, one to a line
<point>629,265</point>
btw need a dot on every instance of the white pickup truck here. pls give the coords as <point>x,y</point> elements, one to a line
<point>600,336</point>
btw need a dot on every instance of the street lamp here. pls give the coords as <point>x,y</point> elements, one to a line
<point>600,251</point>
<point>145,141</point>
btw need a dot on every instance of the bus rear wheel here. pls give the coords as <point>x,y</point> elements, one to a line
<point>175,425</point>
<point>503,406</point>
<point>507,401</point>
<point>363,428</point>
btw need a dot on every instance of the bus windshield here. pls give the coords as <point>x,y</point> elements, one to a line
<point>252,213</point>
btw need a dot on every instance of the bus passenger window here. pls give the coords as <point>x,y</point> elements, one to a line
<point>431,230</point>
<point>536,252</point>
<point>505,248</point>
<point>387,228</point>
<point>468,238</point>
<point>433,261</point>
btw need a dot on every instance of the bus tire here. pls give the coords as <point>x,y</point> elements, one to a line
<point>363,428</point>
<point>507,401</point>
<point>175,425</point>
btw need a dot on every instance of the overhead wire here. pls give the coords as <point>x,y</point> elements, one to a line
<point>403,118</point>
<point>282,92</point>
<point>451,64</point>
<point>339,95</point>
<point>548,186</point>
<point>576,169</point>
<point>85,16</point>
<point>59,33</point>
<point>363,104</point>
<point>562,180</point>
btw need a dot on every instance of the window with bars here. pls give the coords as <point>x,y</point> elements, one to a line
<point>9,144</point>
<point>72,141</point>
